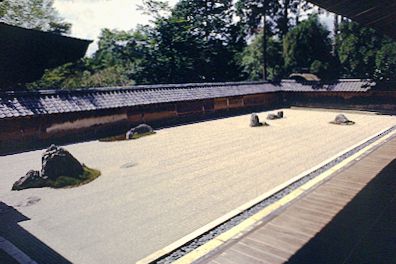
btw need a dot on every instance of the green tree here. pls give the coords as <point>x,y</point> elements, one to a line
<point>216,37</point>
<point>364,53</point>
<point>256,15</point>
<point>252,59</point>
<point>385,62</point>
<point>308,47</point>
<point>286,11</point>
<point>33,14</point>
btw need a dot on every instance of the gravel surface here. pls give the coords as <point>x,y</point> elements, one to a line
<point>156,190</point>
<point>201,240</point>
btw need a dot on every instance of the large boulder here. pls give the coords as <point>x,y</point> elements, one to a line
<point>58,162</point>
<point>342,120</point>
<point>139,130</point>
<point>255,121</point>
<point>32,179</point>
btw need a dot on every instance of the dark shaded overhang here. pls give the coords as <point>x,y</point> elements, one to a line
<point>26,53</point>
<point>377,14</point>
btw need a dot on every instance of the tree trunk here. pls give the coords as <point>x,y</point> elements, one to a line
<point>335,32</point>
<point>285,18</point>
<point>265,40</point>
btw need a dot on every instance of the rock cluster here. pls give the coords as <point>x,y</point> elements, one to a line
<point>342,120</point>
<point>139,130</point>
<point>278,115</point>
<point>56,162</point>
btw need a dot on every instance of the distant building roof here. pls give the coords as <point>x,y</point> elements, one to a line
<point>26,53</point>
<point>19,104</point>
<point>378,14</point>
<point>304,76</point>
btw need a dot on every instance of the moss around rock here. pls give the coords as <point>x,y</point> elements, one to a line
<point>87,176</point>
<point>134,133</point>
<point>123,138</point>
<point>59,169</point>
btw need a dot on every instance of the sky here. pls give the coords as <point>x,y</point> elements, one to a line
<point>88,17</point>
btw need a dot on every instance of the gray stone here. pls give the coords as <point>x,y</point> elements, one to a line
<point>32,179</point>
<point>139,130</point>
<point>272,117</point>
<point>280,114</point>
<point>58,162</point>
<point>342,120</point>
<point>255,121</point>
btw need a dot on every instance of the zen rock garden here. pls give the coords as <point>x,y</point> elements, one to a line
<point>342,120</point>
<point>59,169</point>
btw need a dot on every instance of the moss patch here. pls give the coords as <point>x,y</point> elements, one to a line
<point>137,136</point>
<point>123,138</point>
<point>113,138</point>
<point>66,181</point>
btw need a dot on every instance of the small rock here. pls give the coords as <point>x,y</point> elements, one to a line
<point>280,114</point>
<point>255,121</point>
<point>139,130</point>
<point>272,117</point>
<point>342,120</point>
<point>32,179</point>
<point>58,162</point>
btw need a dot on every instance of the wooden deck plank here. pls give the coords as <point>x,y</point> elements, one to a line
<point>258,253</point>
<point>266,247</point>
<point>307,217</point>
<point>241,257</point>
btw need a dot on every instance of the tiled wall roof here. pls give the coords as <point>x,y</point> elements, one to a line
<point>19,104</point>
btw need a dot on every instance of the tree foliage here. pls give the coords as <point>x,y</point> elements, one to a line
<point>364,53</point>
<point>219,40</point>
<point>33,14</point>
<point>251,59</point>
<point>308,47</point>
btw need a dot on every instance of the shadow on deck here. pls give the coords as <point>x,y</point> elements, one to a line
<point>23,240</point>
<point>364,231</point>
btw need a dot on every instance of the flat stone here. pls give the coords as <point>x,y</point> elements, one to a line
<point>32,179</point>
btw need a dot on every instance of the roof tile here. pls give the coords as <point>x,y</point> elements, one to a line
<point>52,102</point>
